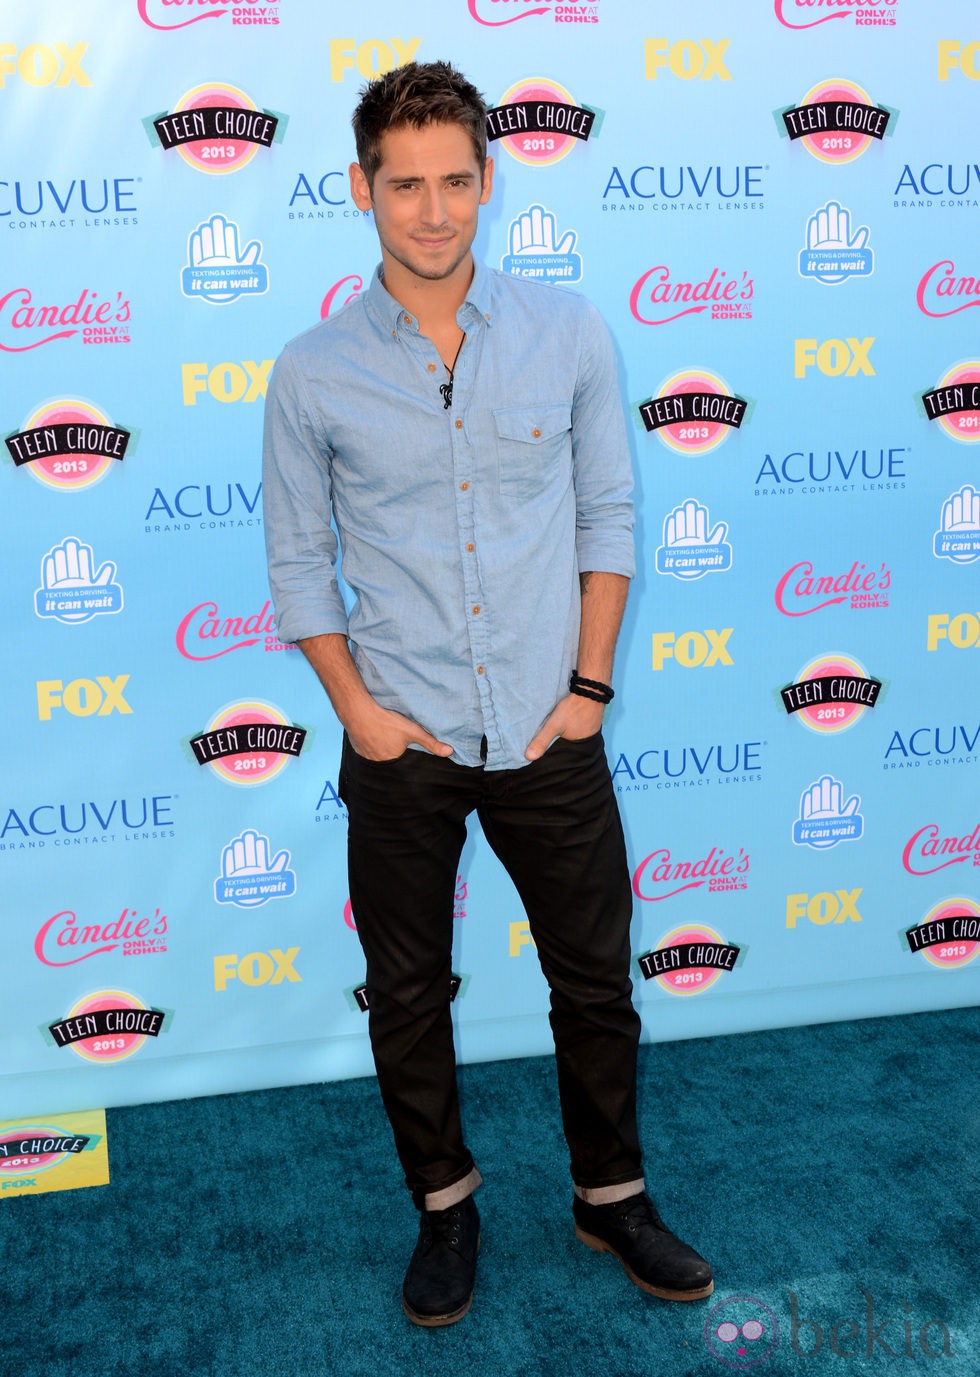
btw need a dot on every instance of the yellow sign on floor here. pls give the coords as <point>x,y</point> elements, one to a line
<point>56,1153</point>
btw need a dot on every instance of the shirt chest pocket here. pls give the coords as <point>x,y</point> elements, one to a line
<point>534,448</point>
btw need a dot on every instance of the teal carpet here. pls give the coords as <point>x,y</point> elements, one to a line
<point>829,1173</point>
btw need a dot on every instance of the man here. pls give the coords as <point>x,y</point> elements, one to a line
<point>465,430</point>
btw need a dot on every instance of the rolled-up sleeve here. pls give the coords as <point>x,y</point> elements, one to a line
<point>301,545</point>
<point>601,456</point>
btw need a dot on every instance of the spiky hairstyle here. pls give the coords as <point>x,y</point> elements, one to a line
<point>416,95</point>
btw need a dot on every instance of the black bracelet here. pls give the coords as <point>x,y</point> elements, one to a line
<point>590,688</point>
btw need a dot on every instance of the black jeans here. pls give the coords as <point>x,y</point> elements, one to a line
<point>555,826</point>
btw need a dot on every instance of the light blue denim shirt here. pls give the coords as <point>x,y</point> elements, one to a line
<point>462,529</point>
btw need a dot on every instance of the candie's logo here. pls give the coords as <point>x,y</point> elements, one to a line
<point>693,411</point>
<point>831,693</point>
<point>941,285</point>
<point>248,743</point>
<point>955,402</point>
<point>68,444</point>
<point>342,293</point>
<point>216,128</point>
<point>64,939</point>
<point>660,296</point>
<point>689,960</point>
<point>166,15</point>
<point>205,634</point>
<point>802,590</point>
<point>799,14</point>
<point>949,935</point>
<point>539,123</point>
<point>836,121</point>
<point>660,876</point>
<point>928,851</point>
<point>108,1026</point>
<point>496,13</point>
<point>26,324</point>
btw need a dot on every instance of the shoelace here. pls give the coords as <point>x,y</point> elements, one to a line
<point>442,1226</point>
<point>637,1212</point>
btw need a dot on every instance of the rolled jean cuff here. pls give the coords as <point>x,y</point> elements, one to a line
<point>451,1195</point>
<point>609,1195</point>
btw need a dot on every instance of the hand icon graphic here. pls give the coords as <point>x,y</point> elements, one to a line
<point>961,511</point>
<point>830,228</point>
<point>535,231</point>
<point>825,799</point>
<point>248,854</point>
<point>214,244</point>
<point>69,565</point>
<point>248,878</point>
<point>217,270</point>
<point>70,591</point>
<point>687,524</point>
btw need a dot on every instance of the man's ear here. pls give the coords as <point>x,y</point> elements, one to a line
<point>359,189</point>
<point>487,182</point>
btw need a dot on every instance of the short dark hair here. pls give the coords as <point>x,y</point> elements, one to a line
<point>417,94</point>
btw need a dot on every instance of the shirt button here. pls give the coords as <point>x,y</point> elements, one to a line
<point>536,433</point>
<point>459,425</point>
<point>463,487</point>
<point>471,547</point>
<point>431,367</point>
<point>476,611</point>
<point>480,669</point>
<point>407,320</point>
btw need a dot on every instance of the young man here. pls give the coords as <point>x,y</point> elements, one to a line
<point>465,430</point>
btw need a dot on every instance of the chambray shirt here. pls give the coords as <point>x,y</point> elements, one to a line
<point>462,530</point>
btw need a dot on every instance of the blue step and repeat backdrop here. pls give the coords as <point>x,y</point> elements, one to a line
<point>775,206</point>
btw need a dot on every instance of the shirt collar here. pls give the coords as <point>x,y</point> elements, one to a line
<point>390,313</point>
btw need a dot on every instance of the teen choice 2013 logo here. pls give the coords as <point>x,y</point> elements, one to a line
<point>107,1026</point>
<point>831,693</point>
<point>689,960</point>
<point>949,934</point>
<point>216,128</point>
<point>68,444</point>
<point>693,412</point>
<point>539,123</point>
<point>248,743</point>
<point>836,121</point>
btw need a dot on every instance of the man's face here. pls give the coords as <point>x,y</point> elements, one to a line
<point>426,199</point>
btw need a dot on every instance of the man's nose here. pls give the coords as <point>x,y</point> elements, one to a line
<point>433,206</point>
